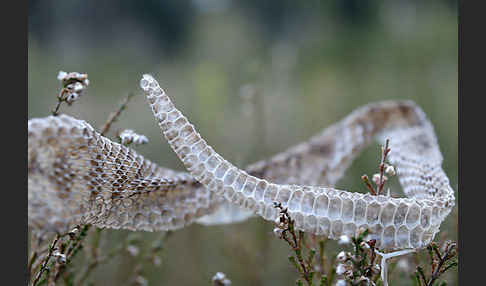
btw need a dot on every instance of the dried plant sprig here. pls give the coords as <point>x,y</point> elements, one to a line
<point>380,179</point>
<point>384,153</point>
<point>440,262</point>
<point>64,247</point>
<point>359,267</point>
<point>45,262</point>
<point>285,228</point>
<point>74,85</point>
<point>366,180</point>
<point>69,249</point>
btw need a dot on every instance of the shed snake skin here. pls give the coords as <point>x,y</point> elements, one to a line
<point>77,176</point>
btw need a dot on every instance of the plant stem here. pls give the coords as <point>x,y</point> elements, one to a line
<point>46,261</point>
<point>114,115</point>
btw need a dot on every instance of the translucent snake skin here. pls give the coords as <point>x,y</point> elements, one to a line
<point>77,176</point>
<point>394,222</point>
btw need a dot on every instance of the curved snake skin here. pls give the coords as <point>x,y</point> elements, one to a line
<point>395,223</point>
<point>77,176</point>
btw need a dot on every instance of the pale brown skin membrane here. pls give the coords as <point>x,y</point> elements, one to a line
<point>395,223</point>
<point>77,176</point>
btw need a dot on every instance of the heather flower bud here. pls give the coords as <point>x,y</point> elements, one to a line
<point>220,279</point>
<point>376,178</point>
<point>341,257</point>
<point>278,232</point>
<point>340,269</point>
<point>390,170</point>
<point>364,245</point>
<point>129,136</point>
<point>343,239</point>
<point>61,258</point>
<point>341,282</point>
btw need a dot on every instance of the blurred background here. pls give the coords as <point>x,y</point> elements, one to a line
<point>255,77</point>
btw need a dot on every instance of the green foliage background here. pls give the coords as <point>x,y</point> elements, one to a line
<point>312,62</point>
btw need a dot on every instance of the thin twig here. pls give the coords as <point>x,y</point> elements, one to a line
<point>114,115</point>
<point>381,182</point>
<point>55,112</point>
<point>295,241</point>
<point>366,180</point>
<point>46,260</point>
<point>384,153</point>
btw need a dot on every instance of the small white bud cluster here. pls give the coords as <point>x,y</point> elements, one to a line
<point>129,136</point>
<point>376,178</point>
<point>74,84</point>
<point>344,269</point>
<point>220,279</point>
<point>389,170</point>
<point>280,226</point>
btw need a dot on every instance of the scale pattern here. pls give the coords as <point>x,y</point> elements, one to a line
<point>395,223</point>
<point>77,176</point>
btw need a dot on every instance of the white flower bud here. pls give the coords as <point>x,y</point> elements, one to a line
<point>61,258</point>
<point>128,136</point>
<point>376,179</point>
<point>72,97</point>
<point>390,170</point>
<point>220,279</point>
<point>343,239</point>
<point>340,269</point>
<point>140,139</point>
<point>341,257</point>
<point>61,75</point>
<point>341,282</point>
<point>77,86</point>
<point>278,232</point>
<point>73,232</point>
<point>364,245</point>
